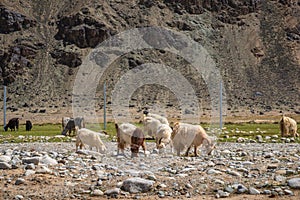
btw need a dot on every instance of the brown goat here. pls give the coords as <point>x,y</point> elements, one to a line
<point>129,134</point>
<point>137,140</point>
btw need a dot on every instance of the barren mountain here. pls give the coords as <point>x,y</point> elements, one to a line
<point>255,45</point>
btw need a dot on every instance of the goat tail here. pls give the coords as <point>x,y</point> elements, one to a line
<point>118,132</point>
<point>76,130</point>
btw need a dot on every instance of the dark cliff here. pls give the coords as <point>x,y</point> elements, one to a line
<point>255,45</point>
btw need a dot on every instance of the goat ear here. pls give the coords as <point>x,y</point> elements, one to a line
<point>105,132</point>
<point>159,142</point>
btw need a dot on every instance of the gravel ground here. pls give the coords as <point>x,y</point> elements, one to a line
<point>235,171</point>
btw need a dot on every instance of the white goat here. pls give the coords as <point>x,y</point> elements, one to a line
<point>90,138</point>
<point>151,125</point>
<point>163,137</point>
<point>161,132</point>
<point>188,135</point>
<point>288,126</point>
<point>162,119</point>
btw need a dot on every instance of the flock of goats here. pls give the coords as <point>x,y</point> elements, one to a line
<point>179,137</point>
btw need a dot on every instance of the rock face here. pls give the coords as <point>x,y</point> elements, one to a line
<point>70,59</point>
<point>82,30</point>
<point>11,21</point>
<point>253,43</point>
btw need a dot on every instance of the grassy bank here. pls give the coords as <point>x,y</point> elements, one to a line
<point>229,133</point>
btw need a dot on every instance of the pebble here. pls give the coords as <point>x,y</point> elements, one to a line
<point>241,189</point>
<point>253,191</point>
<point>46,160</point>
<point>5,158</point>
<point>280,178</point>
<point>161,194</point>
<point>18,197</point>
<point>213,171</point>
<point>259,138</point>
<point>233,173</point>
<point>34,160</point>
<point>29,172</point>
<point>229,189</point>
<point>222,194</point>
<point>288,192</point>
<point>5,165</point>
<point>112,192</point>
<point>217,181</point>
<point>97,193</point>
<point>20,181</point>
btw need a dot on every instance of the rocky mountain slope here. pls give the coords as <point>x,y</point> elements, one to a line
<point>255,45</point>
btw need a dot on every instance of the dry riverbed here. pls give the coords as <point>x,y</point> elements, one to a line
<point>235,171</point>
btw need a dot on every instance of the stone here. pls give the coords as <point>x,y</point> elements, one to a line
<point>162,185</point>
<point>213,171</point>
<point>222,194</point>
<point>253,191</point>
<point>241,140</point>
<point>272,166</point>
<point>259,138</point>
<point>267,192</point>
<point>220,182</point>
<point>112,192</point>
<point>229,189</point>
<point>155,151</point>
<point>161,194</point>
<point>247,163</point>
<point>185,170</point>
<point>151,177</point>
<point>280,178</point>
<point>30,166</point>
<point>46,160</point>
<point>5,165</point>
<point>44,170</point>
<point>136,185</point>
<point>189,186</point>
<point>281,172</point>
<point>97,193</point>
<point>241,189</point>
<point>226,152</point>
<point>34,160</point>
<point>5,158</point>
<point>18,197</point>
<point>269,155</point>
<point>288,192</point>
<point>20,181</point>
<point>290,172</point>
<point>294,183</point>
<point>29,172</point>
<point>233,173</point>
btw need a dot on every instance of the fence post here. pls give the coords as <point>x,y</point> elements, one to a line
<point>4,106</point>
<point>104,105</point>
<point>221,107</point>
